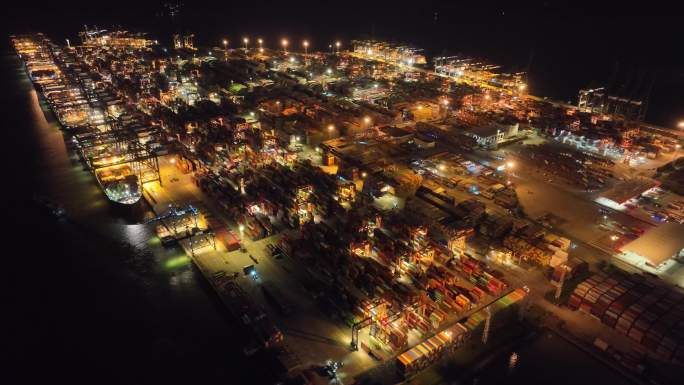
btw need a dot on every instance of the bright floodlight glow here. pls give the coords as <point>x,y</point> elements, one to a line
<point>522,87</point>
<point>510,164</point>
<point>242,227</point>
<point>260,41</point>
<point>680,124</point>
<point>306,43</point>
<point>337,44</point>
<point>284,42</point>
<point>329,71</point>
<point>245,40</point>
<point>225,42</point>
<point>366,120</point>
<point>331,127</point>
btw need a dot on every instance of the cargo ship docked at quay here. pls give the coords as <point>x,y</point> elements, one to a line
<point>112,140</point>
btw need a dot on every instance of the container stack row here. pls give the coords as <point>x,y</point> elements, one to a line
<point>646,312</point>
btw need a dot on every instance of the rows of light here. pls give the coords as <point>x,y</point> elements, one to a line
<point>284,43</point>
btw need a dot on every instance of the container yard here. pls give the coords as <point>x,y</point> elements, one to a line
<point>361,209</point>
<point>645,311</point>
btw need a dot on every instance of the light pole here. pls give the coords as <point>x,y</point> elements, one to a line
<point>225,49</point>
<point>510,165</point>
<point>331,128</point>
<point>674,153</point>
<point>305,43</point>
<point>246,41</point>
<point>521,88</point>
<point>338,44</point>
<point>241,227</point>
<point>261,44</point>
<point>284,44</point>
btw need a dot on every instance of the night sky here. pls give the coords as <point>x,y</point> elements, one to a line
<point>563,45</point>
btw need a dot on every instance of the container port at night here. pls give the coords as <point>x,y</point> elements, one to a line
<point>368,214</point>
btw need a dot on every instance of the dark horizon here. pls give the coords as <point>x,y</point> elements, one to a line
<point>563,47</point>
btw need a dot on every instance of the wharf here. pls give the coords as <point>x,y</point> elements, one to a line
<point>311,337</point>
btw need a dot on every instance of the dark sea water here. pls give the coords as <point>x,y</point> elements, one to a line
<point>93,297</point>
<point>546,359</point>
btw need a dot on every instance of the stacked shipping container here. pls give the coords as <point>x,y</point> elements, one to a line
<point>424,354</point>
<point>650,314</point>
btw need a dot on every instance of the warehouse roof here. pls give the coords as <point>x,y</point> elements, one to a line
<point>624,191</point>
<point>659,244</point>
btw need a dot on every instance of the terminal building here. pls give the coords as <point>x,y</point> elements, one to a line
<point>489,136</point>
<point>657,246</point>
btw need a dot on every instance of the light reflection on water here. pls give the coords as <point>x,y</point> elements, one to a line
<point>137,235</point>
